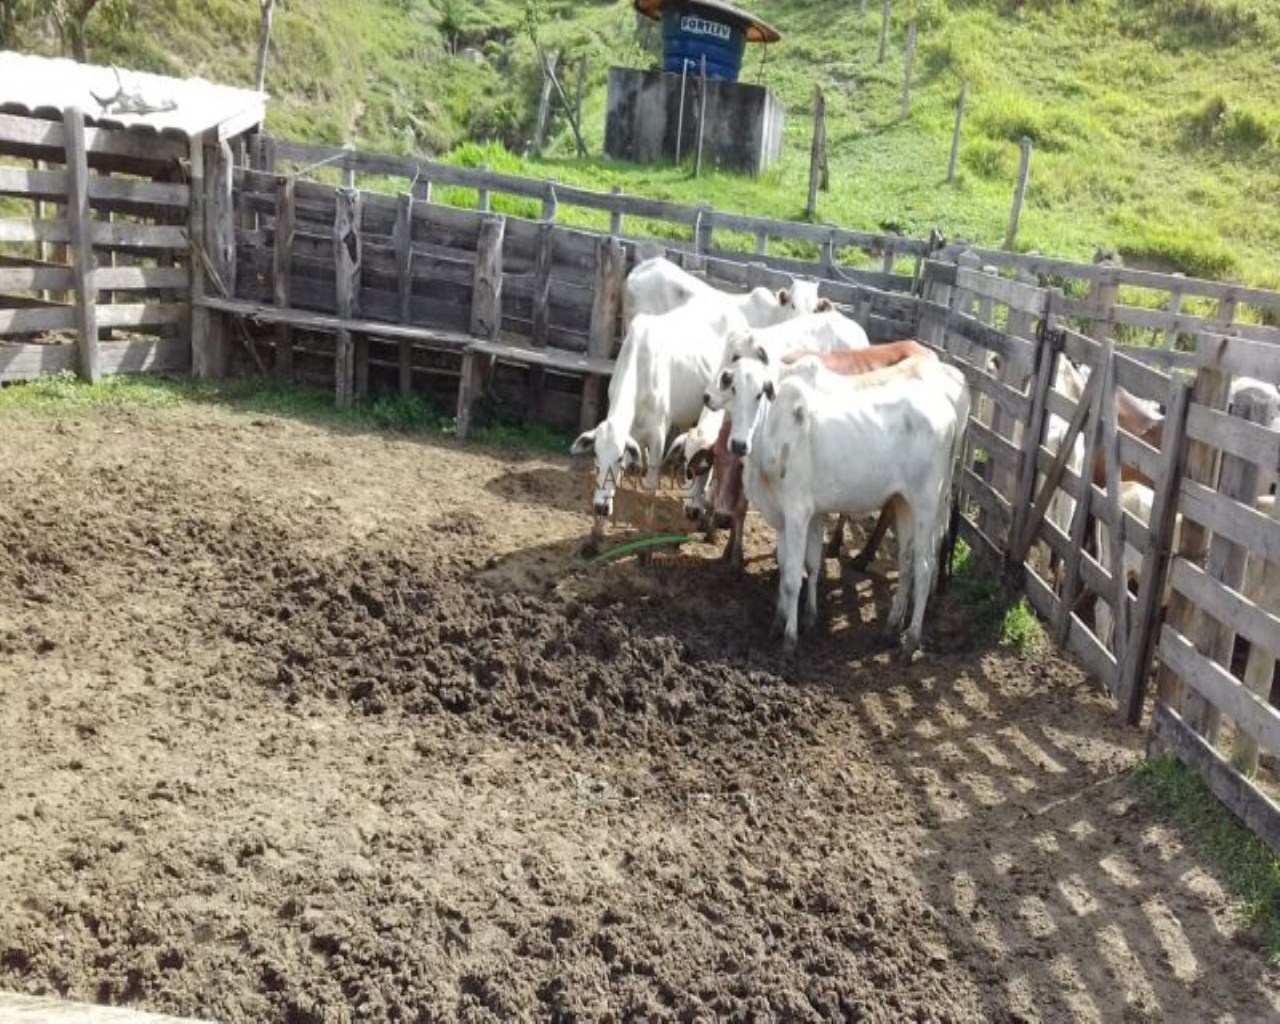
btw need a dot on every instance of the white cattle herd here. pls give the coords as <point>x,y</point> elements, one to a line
<point>778,400</point>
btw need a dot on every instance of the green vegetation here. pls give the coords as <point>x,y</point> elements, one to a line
<point>1154,121</point>
<point>1247,865</point>
<point>62,394</point>
<point>990,608</point>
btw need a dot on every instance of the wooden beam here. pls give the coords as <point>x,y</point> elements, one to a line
<point>402,243</point>
<point>486,296</point>
<point>606,306</point>
<point>346,253</point>
<point>542,282</point>
<point>86,294</point>
<point>281,273</point>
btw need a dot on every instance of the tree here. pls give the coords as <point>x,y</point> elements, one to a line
<point>264,41</point>
<point>67,18</point>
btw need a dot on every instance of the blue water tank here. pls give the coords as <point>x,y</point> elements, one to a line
<point>692,31</point>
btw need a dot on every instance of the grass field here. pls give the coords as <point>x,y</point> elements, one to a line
<point>1155,123</point>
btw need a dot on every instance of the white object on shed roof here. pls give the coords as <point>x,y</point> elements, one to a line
<point>117,97</point>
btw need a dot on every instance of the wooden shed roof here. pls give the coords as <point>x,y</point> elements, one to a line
<point>120,98</point>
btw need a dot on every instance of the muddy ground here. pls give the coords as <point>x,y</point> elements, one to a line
<point>305,725</point>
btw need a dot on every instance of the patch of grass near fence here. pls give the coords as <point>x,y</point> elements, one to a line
<point>1247,865</point>
<point>993,612</point>
<point>64,393</point>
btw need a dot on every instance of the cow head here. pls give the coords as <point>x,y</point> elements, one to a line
<point>615,453</point>
<point>750,389</point>
<point>802,298</point>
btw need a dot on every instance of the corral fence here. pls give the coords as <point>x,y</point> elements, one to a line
<point>516,299</point>
<point>115,195</point>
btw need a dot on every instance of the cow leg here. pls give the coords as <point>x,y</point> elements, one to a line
<point>733,550</point>
<point>695,500</point>
<point>813,564</point>
<point>791,543</point>
<point>922,568</point>
<point>868,553</point>
<point>904,529</point>
<point>832,550</point>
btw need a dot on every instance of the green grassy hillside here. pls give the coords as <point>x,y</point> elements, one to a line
<point>1156,122</point>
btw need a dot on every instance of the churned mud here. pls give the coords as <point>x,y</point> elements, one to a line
<point>303,725</point>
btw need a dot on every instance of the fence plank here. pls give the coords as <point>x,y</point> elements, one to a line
<point>486,301</point>
<point>542,283</point>
<point>1260,626</point>
<point>1248,803</point>
<point>1240,524</point>
<point>1229,434</point>
<point>86,292</point>
<point>1219,689</point>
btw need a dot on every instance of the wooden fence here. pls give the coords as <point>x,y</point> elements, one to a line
<point>96,278</point>
<point>373,290</point>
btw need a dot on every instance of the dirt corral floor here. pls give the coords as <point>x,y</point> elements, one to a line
<point>305,725</point>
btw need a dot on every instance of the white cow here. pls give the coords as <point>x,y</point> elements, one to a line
<point>1061,509</point>
<point>658,380</point>
<point>814,445</point>
<point>658,286</point>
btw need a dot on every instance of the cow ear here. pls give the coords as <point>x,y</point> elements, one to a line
<point>824,306</point>
<point>585,444</point>
<point>630,454</point>
<point>769,391</point>
<point>784,296</point>
<point>701,462</point>
<point>762,354</point>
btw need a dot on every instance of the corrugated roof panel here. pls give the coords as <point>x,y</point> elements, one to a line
<point>118,97</point>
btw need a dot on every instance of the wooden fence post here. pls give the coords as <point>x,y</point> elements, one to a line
<point>1020,193</point>
<point>702,117</point>
<point>606,304</point>
<point>615,214</point>
<point>81,232</point>
<point>220,246</point>
<point>544,103</point>
<point>955,135</point>
<point>1103,292</point>
<point>906,72</point>
<point>486,318</point>
<point>346,251</point>
<point>482,199</point>
<point>280,278</point>
<point>195,231</point>
<point>402,242</point>
<point>486,294</point>
<point>1210,390</point>
<point>1131,690</point>
<point>1239,481</point>
<point>884,30</point>
<point>817,150</point>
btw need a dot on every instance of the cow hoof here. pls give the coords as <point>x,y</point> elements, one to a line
<point>907,653</point>
<point>831,549</point>
<point>860,563</point>
<point>808,621</point>
<point>788,647</point>
<point>591,547</point>
<point>693,513</point>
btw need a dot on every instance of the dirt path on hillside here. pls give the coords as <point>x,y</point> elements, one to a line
<point>301,725</point>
